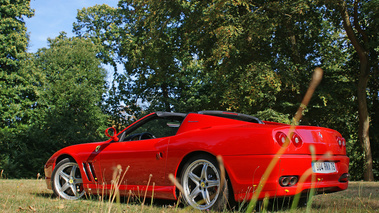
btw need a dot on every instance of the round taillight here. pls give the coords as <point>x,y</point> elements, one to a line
<point>296,140</point>
<point>340,141</point>
<point>281,138</point>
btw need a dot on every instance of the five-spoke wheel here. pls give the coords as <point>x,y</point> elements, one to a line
<point>203,185</point>
<point>66,180</point>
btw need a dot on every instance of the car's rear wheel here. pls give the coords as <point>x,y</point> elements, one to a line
<point>204,188</point>
<point>67,182</point>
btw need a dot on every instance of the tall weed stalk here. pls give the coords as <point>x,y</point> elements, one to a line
<point>316,79</point>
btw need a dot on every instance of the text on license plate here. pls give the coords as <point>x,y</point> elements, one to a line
<point>324,167</point>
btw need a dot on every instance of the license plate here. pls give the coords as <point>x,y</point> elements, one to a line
<point>324,167</point>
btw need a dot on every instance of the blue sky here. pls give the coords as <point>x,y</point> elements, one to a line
<point>54,16</point>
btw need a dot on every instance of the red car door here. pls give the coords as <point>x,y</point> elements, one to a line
<point>141,158</point>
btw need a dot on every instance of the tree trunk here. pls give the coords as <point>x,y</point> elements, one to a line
<point>364,122</point>
<point>364,119</point>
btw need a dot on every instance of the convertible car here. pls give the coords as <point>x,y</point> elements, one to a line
<point>188,145</point>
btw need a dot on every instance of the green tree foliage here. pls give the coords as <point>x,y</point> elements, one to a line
<point>222,55</point>
<point>69,105</point>
<point>16,86</point>
<point>73,85</point>
<point>102,24</point>
<point>164,84</point>
<point>255,57</point>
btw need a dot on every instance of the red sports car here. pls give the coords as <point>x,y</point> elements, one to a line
<point>187,146</point>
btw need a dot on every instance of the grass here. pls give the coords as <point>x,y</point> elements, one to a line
<point>33,196</point>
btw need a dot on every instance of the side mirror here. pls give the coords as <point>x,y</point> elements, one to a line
<point>114,133</point>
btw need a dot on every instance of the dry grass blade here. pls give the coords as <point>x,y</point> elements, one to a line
<point>176,183</point>
<point>222,171</point>
<point>147,187</point>
<point>32,208</point>
<point>316,79</point>
<point>116,182</point>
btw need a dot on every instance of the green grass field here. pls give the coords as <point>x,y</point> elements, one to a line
<point>33,196</point>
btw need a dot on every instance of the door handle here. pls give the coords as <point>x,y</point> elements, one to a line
<point>159,155</point>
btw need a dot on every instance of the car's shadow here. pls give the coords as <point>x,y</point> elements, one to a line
<point>273,204</point>
<point>123,200</point>
<point>44,195</point>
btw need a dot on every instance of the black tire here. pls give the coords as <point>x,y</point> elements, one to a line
<point>203,185</point>
<point>66,180</point>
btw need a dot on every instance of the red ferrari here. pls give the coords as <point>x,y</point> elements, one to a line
<point>187,146</point>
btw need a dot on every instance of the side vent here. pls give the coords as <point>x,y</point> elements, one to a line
<point>86,172</point>
<point>92,170</point>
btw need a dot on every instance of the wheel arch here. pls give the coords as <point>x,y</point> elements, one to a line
<point>64,156</point>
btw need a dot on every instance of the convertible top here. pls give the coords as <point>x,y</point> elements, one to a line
<point>170,114</point>
<point>232,115</point>
<point>224,114</point>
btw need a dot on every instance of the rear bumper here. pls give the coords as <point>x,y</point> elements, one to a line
<point>245,173</point>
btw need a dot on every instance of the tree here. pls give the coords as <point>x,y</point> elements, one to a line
<point>69,104</point>
<point>16,93</point>
<point>102,25</point>
<point>358,22</point>
<point>73,87</point>
<point>157,72</point>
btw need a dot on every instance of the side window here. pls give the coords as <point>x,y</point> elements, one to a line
<point>156,128</point>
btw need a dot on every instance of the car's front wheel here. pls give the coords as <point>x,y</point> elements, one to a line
<point>67,182</point>
<point>204,188</point>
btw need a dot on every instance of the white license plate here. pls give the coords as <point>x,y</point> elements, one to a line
<point>324,167</point>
